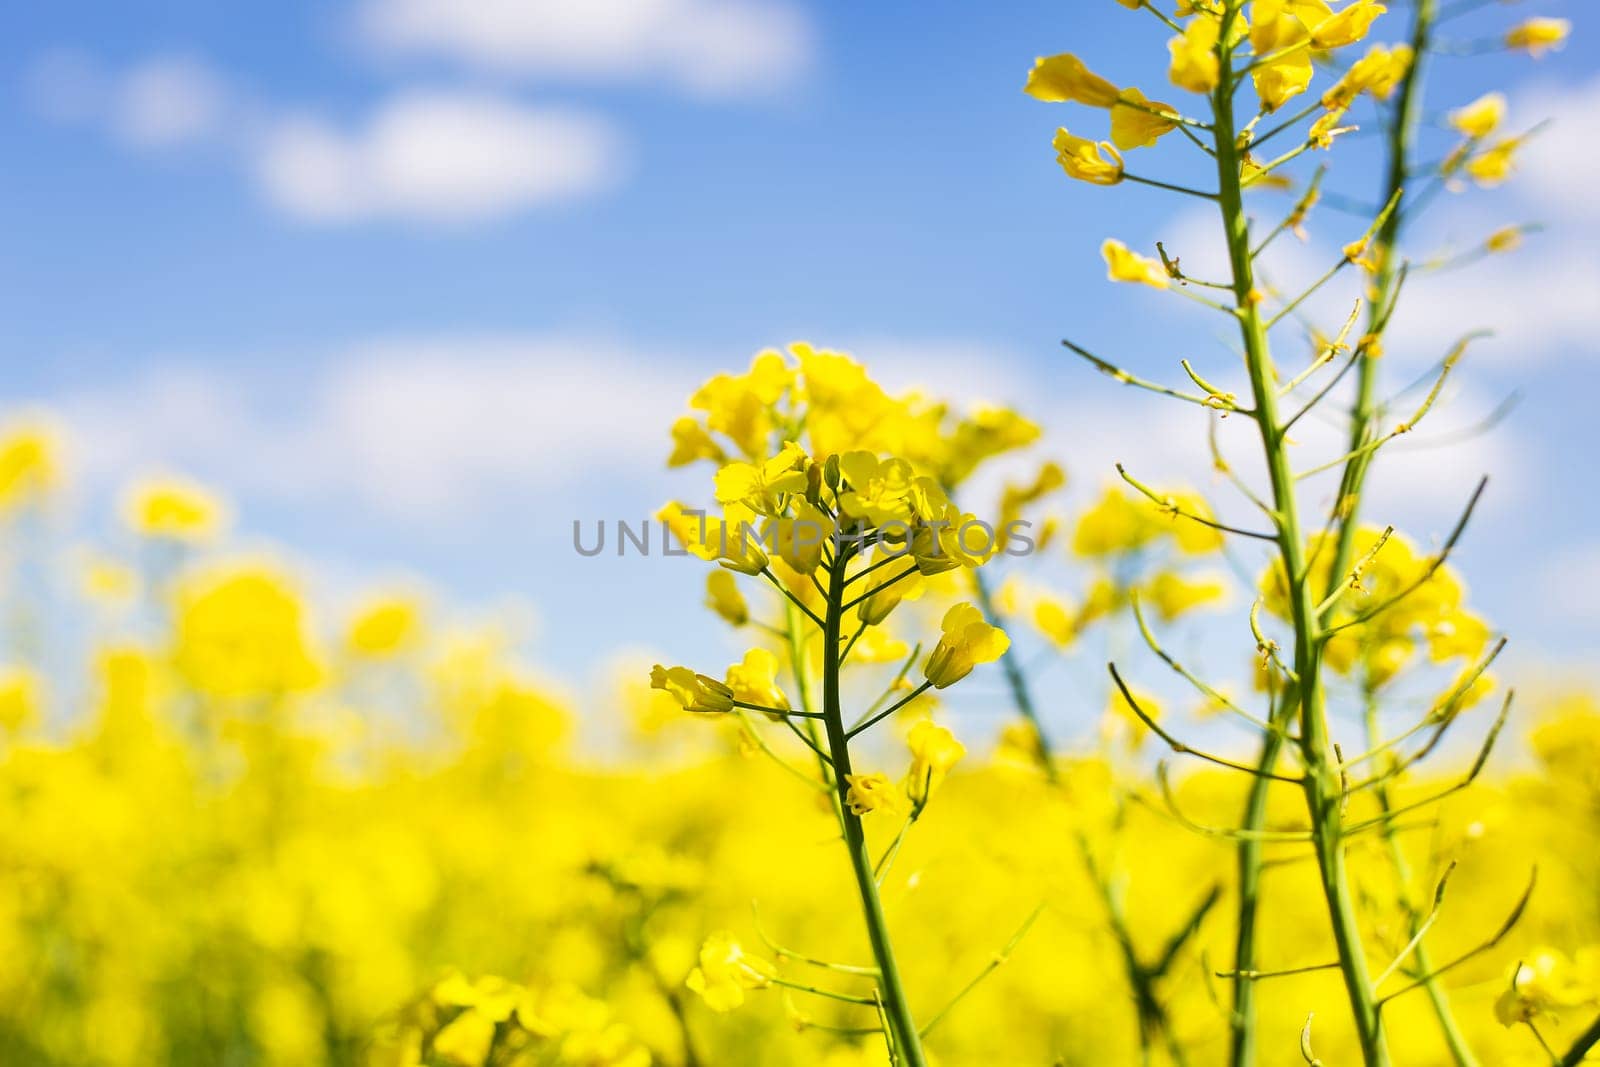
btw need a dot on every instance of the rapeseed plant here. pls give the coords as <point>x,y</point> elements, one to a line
<point>251,830</point>
<point>1346,612</point>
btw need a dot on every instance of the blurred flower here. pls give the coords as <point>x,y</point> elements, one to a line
<point>725,972</point>
<point>173,508</point>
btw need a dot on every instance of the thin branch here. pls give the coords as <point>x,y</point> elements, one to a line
<point>1111,370</point>
<point>761,743</point>
<point>1288,123</point>
<point>1580,1048</point>
<point>1427,574</point>
<point>880,587</point>
<point>1322,393</point>
<point>1444,715</point>
<point>1258,976</point>
<point>1410,424</point>
<point>1301,837</point>
<point>847,998</point>
<point>777,712</point>
<point>888,711</point>
<point>1499,935</point>
<point>1344,261</point>
<point>783,953</point>
<point>766,572</point>
<point>1207,690</point>
<point>1332,349</point>
<point>1353,580</point>
<point>1471,776</point>
<point>993,965</point>
<point>1171,506</point>
<point>1169,186</point>
<point>1422,928</point>
<point>1176,942</point>
<point>1180,747</point>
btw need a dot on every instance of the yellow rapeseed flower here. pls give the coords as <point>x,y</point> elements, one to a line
<point>1095,162</point>
<point>1124,265</point>
<point>1172,594</point>
<point>870,792</point>
<point>1062,78</point>
<point>691,442</point>
<point>886,588</point>
<point>1053,618</point>
<point>1346,26</point>
<point>385,627</point>
<point>1481,117</point>
<point>30,465</point>
<point>242,632</point>
<point>1505,239</point>
<point>1377,72</point>
<point>1194,56</point>
<point>763,487</point>
<point>967,640</point>
<point>1544,981</point>
<point>1114,524</point>
<point>724,598</point>
<point>19,698</point>
<point>1280,37</point>
<point>173,508</point>
<point>1492,167</point>
<point>693,692</point>
<point>1135,122</point>
<point>1537,36</point>
<point>754,680</point>
<point>725,972</point>
<point>934,750</point>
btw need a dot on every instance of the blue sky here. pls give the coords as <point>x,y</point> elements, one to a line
<point>264,244</point>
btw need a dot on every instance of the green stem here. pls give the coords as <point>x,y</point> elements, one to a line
<point>1580,1048</point>
<point>1242,1042</point>
<point>1322,785</point>
<point>1459,1049</point>
<point>1154,1021</point>
<point>896,1009</point>
<point>1408,111</point>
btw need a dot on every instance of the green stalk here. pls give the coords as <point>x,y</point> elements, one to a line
<point>1154,1022</point>
<point>795,623</point>
<point>1402,134</point>
<point>1242,1021</point>
<point>1401,139</point>
<point>897,1012</point>
<point>1437,997</point>
<point>1322,785</point>
<point>1580,1048</point>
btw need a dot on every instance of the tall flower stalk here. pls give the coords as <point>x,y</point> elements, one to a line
<point>841,536</point>
<point>1321,779</point>
<point>1318,575</point>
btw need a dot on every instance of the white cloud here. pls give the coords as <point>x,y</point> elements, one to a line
<point>1539,299</point>
<point>438,157</point>
<point>430,156</point>
<point>707,46</point>
<point>1559,163</point>
<point>429,430</point>
<point>168,101</point>
<point>1570,585</point>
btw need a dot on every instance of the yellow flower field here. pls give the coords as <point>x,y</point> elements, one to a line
<point>240,826</point>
